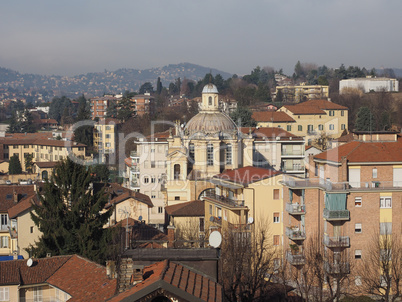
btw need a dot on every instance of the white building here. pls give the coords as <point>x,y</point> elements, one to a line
<point>369,84</point>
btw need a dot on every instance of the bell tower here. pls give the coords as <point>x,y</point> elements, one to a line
<point>210,100</point>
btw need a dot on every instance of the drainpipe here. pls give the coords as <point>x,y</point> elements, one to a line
<point>253,202</point>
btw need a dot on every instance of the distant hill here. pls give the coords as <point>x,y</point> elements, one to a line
<point>95,84</point>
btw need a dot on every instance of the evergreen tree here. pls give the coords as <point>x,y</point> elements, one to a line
<point>71,216</point>
<point>364,120</point>
<point>125,111</point>
<point>14,166</point>
<point>159,86</point>
<point>111,110</point>
<point>29,162</point>
<point>84,112</point>
<point>146,87</point>
<point>242,117</point>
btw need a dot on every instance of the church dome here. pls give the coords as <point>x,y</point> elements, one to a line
<point>210,122</point>
<point>210,88</point>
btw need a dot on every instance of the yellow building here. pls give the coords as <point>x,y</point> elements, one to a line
<point>105,137</point>
<point>314,117</point>
<point>301,93</point>
<point>247,198</point>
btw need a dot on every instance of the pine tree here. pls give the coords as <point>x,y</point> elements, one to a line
<point>365,120</point>
<point>71,216</point>
<point>14,165</point>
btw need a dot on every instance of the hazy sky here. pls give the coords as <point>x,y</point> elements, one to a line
<point>79,36</point>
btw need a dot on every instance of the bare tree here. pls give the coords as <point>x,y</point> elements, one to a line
<point>248,263</point>
<point>380,271</point>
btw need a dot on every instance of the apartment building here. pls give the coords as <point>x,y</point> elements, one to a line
<point>300,93</point>
<point>354,192</point>
<point>99,106</point>
<point>41,146</point>
<point>369,84</point>
<point>143,104</point>
<point>270,118</point>
<point>315,117</point>
<point>106,139</point>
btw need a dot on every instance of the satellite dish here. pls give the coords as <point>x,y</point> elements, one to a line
<point>140,218</point>
<point>215,239</point>
<point>29,262</point>
<point>250,220</point>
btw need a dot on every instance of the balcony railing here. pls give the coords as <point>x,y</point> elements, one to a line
<point>294,182</point>
<point>295,258</point>
<point>342,241</point>
<point>135,169</point>
<point>134,154</point>
<point>295,209</point>
<point>295,234</point>
<point>337,268</point>
<point>4,227</point>
<point>292,153</point>
<point>227,200</point>
<point>295,167</point>
<point>336,214</point>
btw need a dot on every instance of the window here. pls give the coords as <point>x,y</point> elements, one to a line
<point>191,152</point>
<point>15,147</point>
<point>358,254</point>
<point>31,229</point>
<point>343,127</point>
<point>153,195</point>
<point>225,214</point>
<point>228,154</point>
<point>358,202</point>
<point>160,210</point>
<point>210,155</point>
<point>107,135</point>
<point>289,128</point>
<point>374,172</point>
<point>342,113</point>
<point>4,220</point>
<point>26,146</point>
<point>210,209</point>
<point>3,242</point>
<point>218,212</point>
<point>331,113</point>
<point>210,101</point>
<point>153,180</point>
<point>321,127</point>
<point>4,294</point>
<point>176,171</point>
<point>107,145</point>
<point>153,150</point>
<point>276,193</point>
<point>177,198</point>
<point>276,239</point>
<point>202,224</point>
<point>331,127</point>
<point>37,294</point>
<point>385,202</point>
<point>358,227</point>
<point>146,180</point>
<point>300,128</point>
<point>107,127</point>
<point>385,228</point>
<point>276,217</point>
<point>310,128</point>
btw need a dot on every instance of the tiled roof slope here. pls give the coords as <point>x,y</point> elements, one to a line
<point>10,190</point>
<point>271,116</point>
<point>269,133</point>
<point>17,271</point>
<point>185,283</point>
<point>84,280</point>
<point>365,152</point>
<point>324,105</point>
<point>22,206</point>
<point>190,208</point>
<point>304,109</point>
<point>247,175</point>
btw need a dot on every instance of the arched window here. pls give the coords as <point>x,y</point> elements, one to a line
<point>44,175</point>
<point>210,155</point>
<point>228,154</point>
<point>176,171</point>
<point>210,101</point>
<point>191,152</point>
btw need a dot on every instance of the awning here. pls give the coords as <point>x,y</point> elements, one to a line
<point>335,202</point>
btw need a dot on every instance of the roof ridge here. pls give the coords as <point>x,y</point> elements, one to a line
<point>162,276</point>
<point>351,151</point>
<point>59,256</point>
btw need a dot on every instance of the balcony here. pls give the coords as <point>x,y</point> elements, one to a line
<point>295,209</point>
<point>226,200</point>
<point>337,268</point>
<point>295,234</point>
<point>4,227</point>
<point>216,220</point>
<point>292,153</point>
<point>134,154</point>
<point>342,241</point>
<point>336,215</point>
<point>135,169</point>
<point>295,258</point>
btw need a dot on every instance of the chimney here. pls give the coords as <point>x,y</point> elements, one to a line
<point>170,234</point>
<point>111,269</point>
<point>137,275</point>
<point>15,196</point>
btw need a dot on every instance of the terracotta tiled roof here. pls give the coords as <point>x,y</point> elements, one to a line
<point>247,175</point>
<point>119,194</point>
<point>22,206</point>
<point>128,161</point>
<point>84,280</point>
<point>302,109</point>
<point>161,135</point>
<point>324,105</point>
<point>173,277</point>
<point>17,271</point>
<point>269,133</point>
<point>191,208</point>
<point>36,139</point>
<point>46,164</point>
<point>7,193</point>
<point>364,152</point>
<point>271,116</point>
